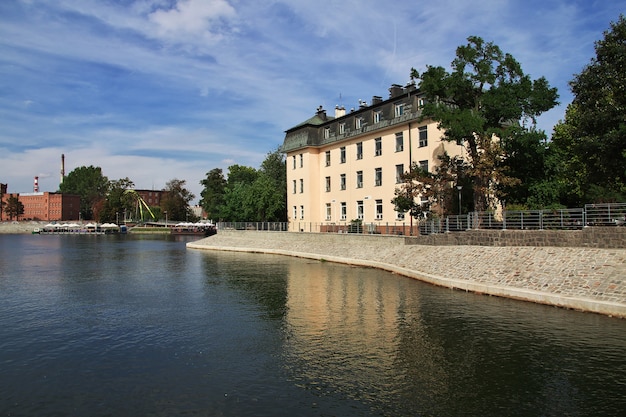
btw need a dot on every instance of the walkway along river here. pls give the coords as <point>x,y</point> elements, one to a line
<point>583,278</point>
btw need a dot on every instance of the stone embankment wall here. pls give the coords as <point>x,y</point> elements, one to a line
<point>584,277</point>
<point>589,237</point>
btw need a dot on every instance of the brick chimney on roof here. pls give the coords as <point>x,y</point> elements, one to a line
<point>321,113</point>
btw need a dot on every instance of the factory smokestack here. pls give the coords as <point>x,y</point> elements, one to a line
<point>36,185</point>
<point>62,167</point>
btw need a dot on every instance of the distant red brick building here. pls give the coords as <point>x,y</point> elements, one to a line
<point>151,197</point>
<point>45,206</point>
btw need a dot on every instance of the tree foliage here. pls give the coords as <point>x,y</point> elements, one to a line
<point>248,194</point>
<point>592,137</point>
<point>212,195</point>
<point>175,200</point>
<point>117,202</point>
<point>13,207</point>
<point>486,100</point>
<point>432,189</point>
<point>90,185</point>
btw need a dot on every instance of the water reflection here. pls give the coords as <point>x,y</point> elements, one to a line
<point>396,344</point>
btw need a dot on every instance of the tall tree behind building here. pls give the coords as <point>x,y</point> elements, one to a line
<point>591,141</point>
<point>486,96</point>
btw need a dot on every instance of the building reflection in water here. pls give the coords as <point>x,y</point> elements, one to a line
<point>357,331</point>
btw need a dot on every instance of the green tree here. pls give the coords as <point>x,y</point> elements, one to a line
<point>212,195</point>
<point>241,174</point>
<point>90,185</point>
<point>529,159</point>
<point>592,138</point>
<point>486,97</point>
<point>117,201</point>
<point>431,189</point>
<point>175,200</point>
<point>272,184</point>
<point>14,208</point>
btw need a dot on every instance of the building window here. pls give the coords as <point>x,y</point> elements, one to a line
<point>358,122</point>
<point>301,212</point>
<point>359,150</point>
<point>344,211</point>
<point>342,157</point>
<point>295,212</point>
<point>294,186</point>
<point>359,209</point>
<point>326,132</point>
<point>398,109</point>
<point>327,184</point>
<point>342,128</point>
<point>379,209</point>
<point>301,160</point>
<point>399,173</point>
<point>420,103</point>
<point>294,162</point>
<point>399,216</point>
<point>301,186</point>
<point>378,116</point>
<point>423,165</point>
<point>359,179</point>
<point>327,158</point>
<point>328,211</point>
<point>379,177</point>
<point>399,142</point>
<point>378,145</point>
<point>423,136</point>
<point>343,181</point>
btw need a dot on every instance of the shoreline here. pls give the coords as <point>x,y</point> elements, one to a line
<point>580,278</point>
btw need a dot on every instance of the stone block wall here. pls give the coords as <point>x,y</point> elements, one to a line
<point>589,237</point>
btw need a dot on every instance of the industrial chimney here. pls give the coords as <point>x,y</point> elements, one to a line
<point>62,167</point>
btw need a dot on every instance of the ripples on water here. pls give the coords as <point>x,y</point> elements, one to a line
<point>141,326</point>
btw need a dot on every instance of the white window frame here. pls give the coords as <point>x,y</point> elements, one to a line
<point>359,150</point>
<point>423,136</point>
<point>399,142</point>
<point>378,146</point>
<point>398,109</point>
<point>379,209</point>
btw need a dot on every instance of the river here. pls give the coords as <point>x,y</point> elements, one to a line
<point>142,326</point>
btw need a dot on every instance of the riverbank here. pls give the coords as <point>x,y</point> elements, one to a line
<point>14,228</point>
<point>580,278</point>
<point>27,227</point>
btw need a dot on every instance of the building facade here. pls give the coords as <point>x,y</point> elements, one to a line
<point>347,167</point>
<point>45,206</point>
<point>151,197</point>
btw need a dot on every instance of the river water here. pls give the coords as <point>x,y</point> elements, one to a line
<point>142,326</point>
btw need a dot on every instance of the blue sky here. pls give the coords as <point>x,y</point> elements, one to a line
<point>159,89</point>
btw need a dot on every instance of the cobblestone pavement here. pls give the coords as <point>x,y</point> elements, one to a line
<point>588,279</point>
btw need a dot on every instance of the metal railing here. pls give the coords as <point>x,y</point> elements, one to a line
<point>611,214</point>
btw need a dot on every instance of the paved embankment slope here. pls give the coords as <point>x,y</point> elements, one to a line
<point>588,279</point>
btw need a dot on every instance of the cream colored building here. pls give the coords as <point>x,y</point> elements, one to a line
<point>347,166</point>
